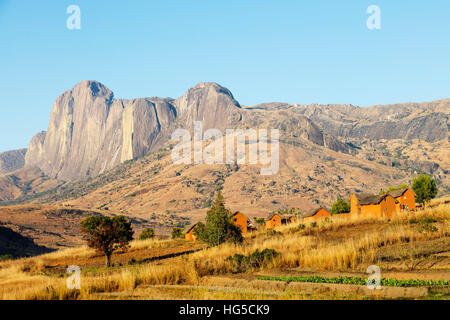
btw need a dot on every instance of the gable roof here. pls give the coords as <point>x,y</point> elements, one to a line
<point>362,195</point>
<point>272,215</point>
<point>282,216</point>
<point>369,199</point>
<point>240,213</point>
<point>190,227</point>
<point>312,212</point>
<point>399,193</point>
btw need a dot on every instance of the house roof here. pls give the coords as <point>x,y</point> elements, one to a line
<point>282,216</point>
<point>249,222</point>
<point>190,227</point>
<point>362,195</point>
<point>312,212</point>
<point>368,199</point>
<point>240,213</point>
<point>398,193</point>
<point>272,215</point>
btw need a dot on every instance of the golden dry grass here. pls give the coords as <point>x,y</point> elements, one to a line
<point>334,244</point>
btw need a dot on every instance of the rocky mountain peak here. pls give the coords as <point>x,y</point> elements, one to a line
<point>93,88</point>
<point>210,103</point>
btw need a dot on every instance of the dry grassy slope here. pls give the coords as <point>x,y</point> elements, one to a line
<point>310,175</point>
<point>16,245</point>
<point>23,182</point>
<point>55,226</point>
<point>48,226</point>
<point>408,246</point>
<point>413,155</point>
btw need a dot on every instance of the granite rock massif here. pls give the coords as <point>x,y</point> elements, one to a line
<point>91,132</point>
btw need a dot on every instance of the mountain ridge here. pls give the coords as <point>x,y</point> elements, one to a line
<point>90,131</point>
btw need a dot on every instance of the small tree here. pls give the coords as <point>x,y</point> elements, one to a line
<point>107,234</point>
<point>402,186</point>
<point>147,233</point>
<point>177,233</point>
<point>218,228</point>
<point>425,188</point>
<point>340,206</point>
<point>259,221</point>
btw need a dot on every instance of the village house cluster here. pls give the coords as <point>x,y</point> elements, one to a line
<point>367,205</point>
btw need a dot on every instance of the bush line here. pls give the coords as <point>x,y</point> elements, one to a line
<point>361,281</point>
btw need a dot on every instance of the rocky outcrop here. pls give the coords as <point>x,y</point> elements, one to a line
<point>35,150</point>
<point>210,103</point>
<point>292,126</point>
<point>90,131</point>
<point>425,121</point>
<point>12,160</point>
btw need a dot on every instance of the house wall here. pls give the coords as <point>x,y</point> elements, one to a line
<point>354,208</point>
<point>190,235</point>
<point>373,210</point>
<point>388,207</point>
<point>240,221</point>
<point>274,222</point>
<point>322,213</point>
<point>408,199</point>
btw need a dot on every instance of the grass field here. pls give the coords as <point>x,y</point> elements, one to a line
<point>411,246</point>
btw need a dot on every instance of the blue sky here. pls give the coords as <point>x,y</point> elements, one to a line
<point>262,50</point>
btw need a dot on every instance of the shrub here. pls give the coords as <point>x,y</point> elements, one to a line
<point>402,186</point>
<point>147,233</point>
<point>259,221</point>
<point>301,227</point>
<point>271,233</point>
<point>340,206</point>
<point>425,188</point>
<point>177,233</point>
<point>5,257</point>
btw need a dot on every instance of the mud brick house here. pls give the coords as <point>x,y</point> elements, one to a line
<point>373,205</point>
<point>242,222</point>
<point>315,214</point>
<point>406,198</point>
<point>275,220</point>
<point>189,232</point>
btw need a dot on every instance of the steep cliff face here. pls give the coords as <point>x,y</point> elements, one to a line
<point>90,132</point>
<point>35,150</point>
<point>145,125</point>
<point>12,160</point>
